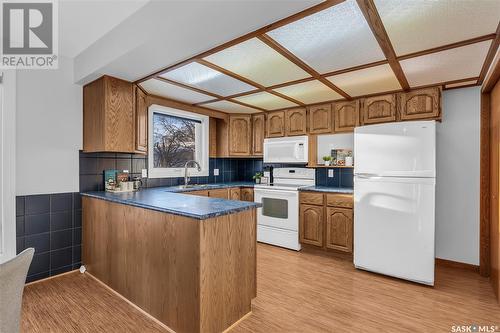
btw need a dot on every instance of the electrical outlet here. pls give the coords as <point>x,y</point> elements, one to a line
<point>330,173</point>
<point>216,172</point>
<point>144,173</point>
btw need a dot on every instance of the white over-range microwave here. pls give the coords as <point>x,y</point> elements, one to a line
<point>294,149</point>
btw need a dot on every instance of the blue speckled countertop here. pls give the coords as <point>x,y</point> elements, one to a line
<point>345,190</point>
<point>169,200</point>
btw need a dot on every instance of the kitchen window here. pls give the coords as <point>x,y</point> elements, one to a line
<point>176,137</point>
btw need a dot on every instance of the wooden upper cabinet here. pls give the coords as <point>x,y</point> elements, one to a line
<point>346,116</point>
<point>296,121</point>
<point>276,124</point>
<point>311,225</point>
<point>141,122</point>
<point>320,119</point>
<point>259,133</point>
<point>240,135</point>
<point>339,229</point>
<point>108,116</point>
<point>379,109</point>
<point>421,104</point>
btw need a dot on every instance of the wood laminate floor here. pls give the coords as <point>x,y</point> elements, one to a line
<point>297,292</point>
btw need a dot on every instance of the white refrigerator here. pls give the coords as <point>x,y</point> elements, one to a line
<point>394,198</point>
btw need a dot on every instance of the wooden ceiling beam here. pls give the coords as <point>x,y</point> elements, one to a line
<point>247,81</point>
<point>298,62</point>
<point>375,23</point>
<point>306,12</point>
<point>490,56</point>
<point>447,46</point>
<point>217,97</point>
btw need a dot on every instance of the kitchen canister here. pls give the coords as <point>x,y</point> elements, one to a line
<point>348,161</point>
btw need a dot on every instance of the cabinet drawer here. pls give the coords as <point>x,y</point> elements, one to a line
<point>201,193</point>
<point>311,198</point>
<point>222,193</point>
<point>339,200</point>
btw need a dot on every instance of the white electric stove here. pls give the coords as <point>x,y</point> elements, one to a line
<point>278,218</point>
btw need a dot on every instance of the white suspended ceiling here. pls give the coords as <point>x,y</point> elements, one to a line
<point>367,81</point>
<point>208,79</point>
<point>258,62</point>
<point>230,107</point>
<point>171,91</point>
<point>454,64</point>
<point>336,38</point>
<point>338,44</point>
<point>416,25</point>
<point>266,101</point>
<point>310,92</point>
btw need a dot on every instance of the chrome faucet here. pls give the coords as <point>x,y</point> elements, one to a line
<point>186,177</point>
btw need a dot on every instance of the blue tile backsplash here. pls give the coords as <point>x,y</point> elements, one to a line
<point>342,177</point>
<point>92,166</point>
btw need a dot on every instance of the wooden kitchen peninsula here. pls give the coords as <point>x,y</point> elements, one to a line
<point>188,261</point>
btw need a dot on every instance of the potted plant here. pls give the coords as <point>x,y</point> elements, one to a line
<point>257,177</point>
<point>327,160</point>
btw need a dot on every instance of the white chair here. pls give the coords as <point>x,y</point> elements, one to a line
<point>12,279</point>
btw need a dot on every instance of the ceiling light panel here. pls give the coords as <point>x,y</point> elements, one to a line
<point>454,64</point>
<point>208,79</point>
<point>230,107</point>
<point>309,92</point>
<point>164,89</point>
<point>367,81</point>
<point>266,101</point>
<point>335,38</point>
<point>424,24</point>
<point>256,61</point>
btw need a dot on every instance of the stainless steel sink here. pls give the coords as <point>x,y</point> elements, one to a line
<point>193,186</point>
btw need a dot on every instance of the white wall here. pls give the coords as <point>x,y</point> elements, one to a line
<point>333,141</point>
<point>48,130</point>
<point>457,183</point>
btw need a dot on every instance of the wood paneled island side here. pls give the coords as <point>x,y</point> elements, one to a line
<point>193,275</point>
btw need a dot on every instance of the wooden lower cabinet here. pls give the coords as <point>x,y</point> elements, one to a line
<point>339,227</point>
<point>326,220</point>
<point>311,225</point>
<point>246,194</point>
<point>234,193</point>
<point>202,193</point>
<point>221,193</point>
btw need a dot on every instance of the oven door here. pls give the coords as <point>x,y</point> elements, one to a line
<point>280,208</point>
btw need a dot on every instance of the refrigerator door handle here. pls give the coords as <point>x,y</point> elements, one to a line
<point>367,175</point>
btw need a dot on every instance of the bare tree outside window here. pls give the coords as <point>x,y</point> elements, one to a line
<point>174,141</point>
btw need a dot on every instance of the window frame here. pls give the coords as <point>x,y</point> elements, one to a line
<point>202,145</point>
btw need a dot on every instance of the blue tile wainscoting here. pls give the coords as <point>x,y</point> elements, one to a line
<point>50,223</point>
